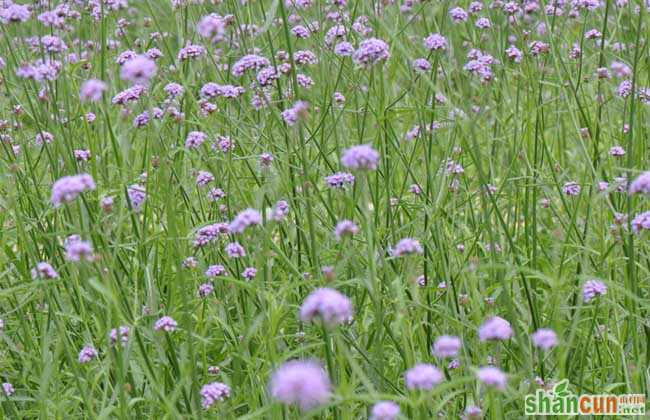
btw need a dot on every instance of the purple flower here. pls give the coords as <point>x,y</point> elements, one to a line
<point>421,65</point>
<point>339,180</point>
<point>215,271</point>
<point>246,218</point>
<point>266,76</point>
<point>423,377</point>
<point>141,120</point>
<point>300,32</point>
<point>345,228</point>
<point>235,250</point>
<point>82,155</point>
<point>304,57</point>
<point>435,42</point>
<point>514,54</point>
<point>203,178</point>
<point>87,354</point>
<point>173,90</point>
<point>216,194</point>
<point>209,233</point>
<point>620,70</point>
<point>328,305</point>
<point>68,188</point>
<point>279,211</point>
<point>592,289</point>
<point>205,289</point>
<point>458,14</point>
<point>153,53</point>
<point>166,323</point>
<point>249,62</point>
<point>8,389</point>
<point>482,23</point>
<point>77,250</point>
<point>92,90</point>
<point>544,338</point>
<point>303,383</point>
<point>213,393</point>
<point>446,346</point>
<point>473,413</point>
<point>194,139</point>
<point>249,273</point>
<point>492,377</point>
<point>571,188</point>
<point>624,89</point>
<point>406,246</point>
<point>190,51</point>
<point>495,328</point>
<point>122,332</point>
<point>344,49</point>
<point>211,26</point>
<point>362,157</point>
<point>370,52</point>
<point>616,151</point>
<point>125,56</point>
<point>293,114</point>
<point>384,410</point>
<point>138,70</point>
<point>213,90</point>
<point>131,94</point>
<point>189,262</point>
<point>137,197</point>
<point>44,137</point>
<point>641,185</point>
<point>336,32</point>
<point>44,270</point>
<point>641,222</point>
<point>14,13</point>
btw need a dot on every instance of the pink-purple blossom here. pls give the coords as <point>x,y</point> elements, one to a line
<point>302,383</point>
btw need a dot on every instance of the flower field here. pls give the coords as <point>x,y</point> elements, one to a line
<point>328,209</point>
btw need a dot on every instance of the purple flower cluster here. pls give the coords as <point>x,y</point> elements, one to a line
<point>327,305</point>
<point>92,90</point>
<point>339,180</point>
<point>495,328</point>
<point>362,157</point>
<point>384,410</point>
<point>137,197</point>
<point>446,346</point>
<point>249,62</point>
<point>245,219</point>
<point>406,246</point>
<point>423,377</point>
<point>302,383</point>
<point>121,333</point>
<point>641,222</point>
<point>138,70</point>
<point>44,270</point>
<point>87,354</point>
<point>209,233</point>
<point>166,323</point>
<point>371,51</point>
<point>68,188</point>
<point>492,377</point>
<point>77,250</point>
<point>641,185</point>
<point>213,393</point>
<point>592,289</point>
<point>345,228</point>
<point>544,338</point>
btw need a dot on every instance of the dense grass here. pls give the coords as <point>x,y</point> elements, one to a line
<point>501,237</point>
